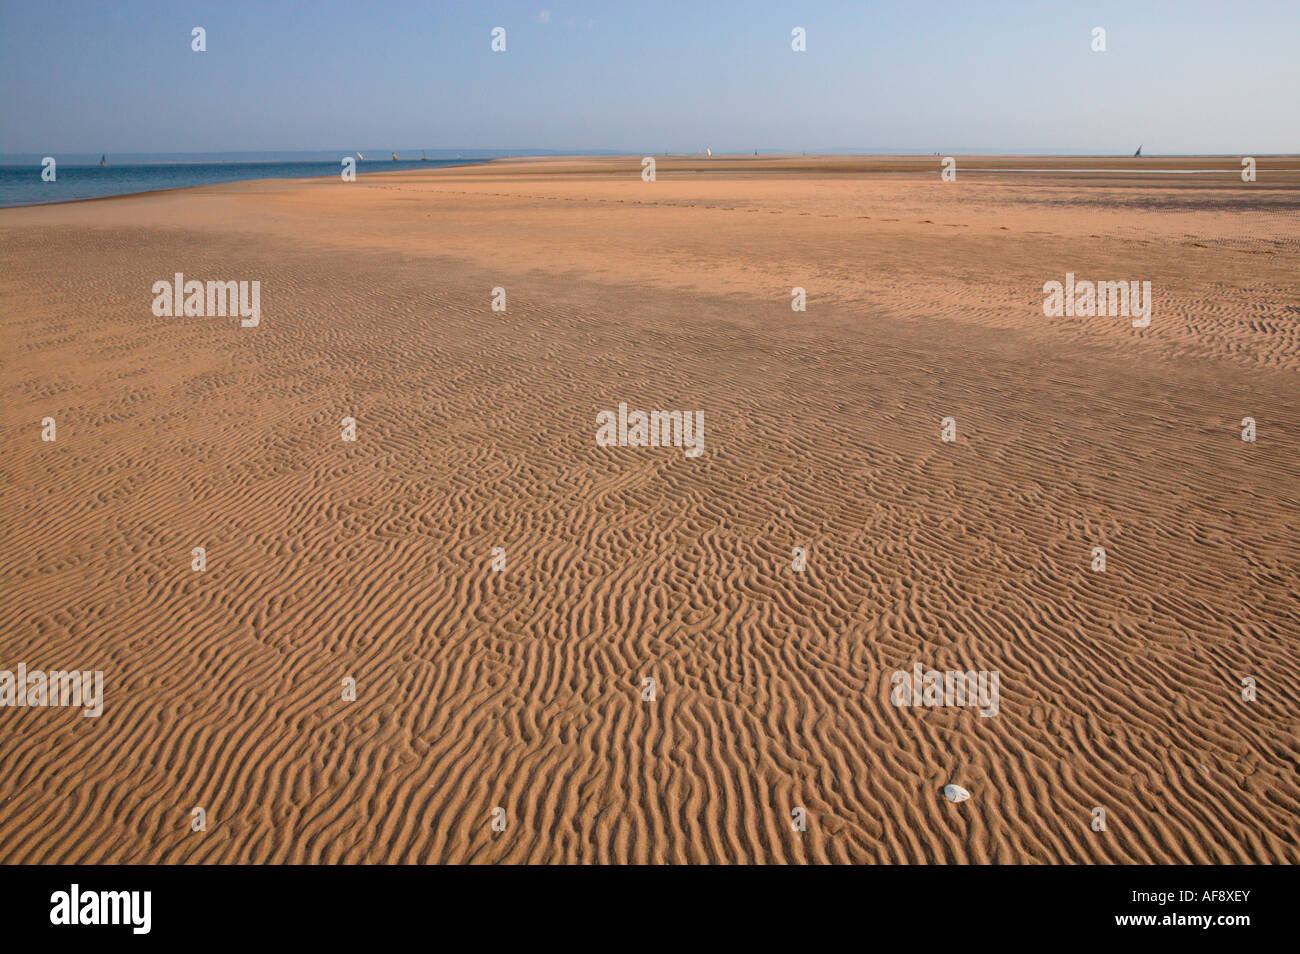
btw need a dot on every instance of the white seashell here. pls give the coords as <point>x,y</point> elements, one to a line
<point>955,793</point>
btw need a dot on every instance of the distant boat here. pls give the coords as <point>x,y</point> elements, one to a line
<point>394,157</point>
<point>423,157</point>
<point>103,159</point>
<point>1139,152</point>
<point>359,156</point>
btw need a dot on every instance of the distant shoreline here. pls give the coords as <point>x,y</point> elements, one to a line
<point>1191,171</point>
<point>8,193</point>
<point>28,160</point>
<point>243,162</point>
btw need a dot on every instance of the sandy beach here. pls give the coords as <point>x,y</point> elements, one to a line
<point>500,586</point>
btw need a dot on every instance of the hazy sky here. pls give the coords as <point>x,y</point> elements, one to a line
<point>1178,75</point>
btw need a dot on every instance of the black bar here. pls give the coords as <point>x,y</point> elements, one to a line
<point>935,906</point>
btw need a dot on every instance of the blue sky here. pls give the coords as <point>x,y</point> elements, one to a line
<point>1180,77</point>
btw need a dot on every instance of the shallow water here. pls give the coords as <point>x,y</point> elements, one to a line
<point>23,185</point>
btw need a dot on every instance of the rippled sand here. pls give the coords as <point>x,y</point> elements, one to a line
<point>523,689</point>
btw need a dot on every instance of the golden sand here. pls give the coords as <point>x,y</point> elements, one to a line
<point>523,689</point>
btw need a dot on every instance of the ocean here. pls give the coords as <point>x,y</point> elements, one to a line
<point>78,178</point>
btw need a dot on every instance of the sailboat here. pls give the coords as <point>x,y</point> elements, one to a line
<point>103,159</point>
<point>359,156</point>
<point>394,157</point>
<point>423,157</point>
<point>1139,152</point>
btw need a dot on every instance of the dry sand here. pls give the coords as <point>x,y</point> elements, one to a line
<point>523,689</point>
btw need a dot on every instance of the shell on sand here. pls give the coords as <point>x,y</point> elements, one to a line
<point>955,793</point>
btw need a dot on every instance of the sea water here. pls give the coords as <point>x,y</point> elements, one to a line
<point>21,182</point>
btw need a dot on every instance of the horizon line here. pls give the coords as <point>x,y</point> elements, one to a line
<point>327,155</point>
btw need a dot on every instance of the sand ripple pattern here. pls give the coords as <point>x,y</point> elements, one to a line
<point>522,690</point>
